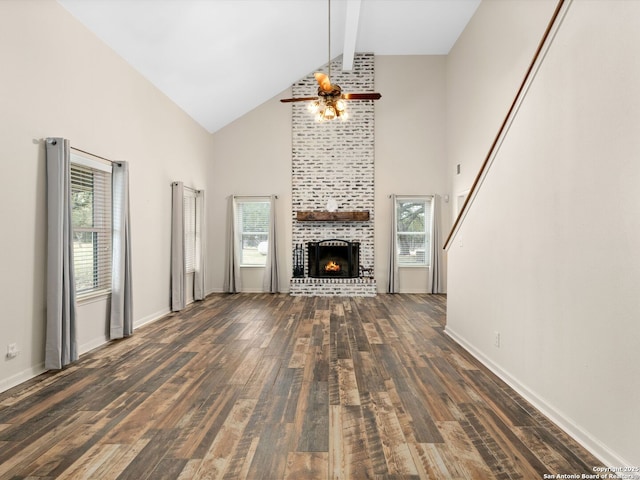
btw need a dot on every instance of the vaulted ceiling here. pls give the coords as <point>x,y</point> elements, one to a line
<point>219,59</point>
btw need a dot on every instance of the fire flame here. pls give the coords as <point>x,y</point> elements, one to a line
<point>332,266</point>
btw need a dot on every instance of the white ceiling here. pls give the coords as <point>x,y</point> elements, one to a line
<point>219,59</point>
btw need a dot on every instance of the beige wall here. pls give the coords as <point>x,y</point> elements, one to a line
<point>60,80</point>
<point>547,255</point>
<point>410,148</point>
<point>252,157</point>
<point>484,71</point>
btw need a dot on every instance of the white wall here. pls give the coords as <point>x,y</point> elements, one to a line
<point>547,255</point>
<point>58,79</point>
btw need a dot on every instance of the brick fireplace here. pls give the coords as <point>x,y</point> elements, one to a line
<point>333,162</point>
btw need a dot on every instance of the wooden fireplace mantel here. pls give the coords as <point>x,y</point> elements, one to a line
<point>342,216</point>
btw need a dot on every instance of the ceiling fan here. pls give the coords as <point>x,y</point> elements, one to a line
<point>330,101</point>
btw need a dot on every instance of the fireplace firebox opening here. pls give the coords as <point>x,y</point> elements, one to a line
<point>333,258</point>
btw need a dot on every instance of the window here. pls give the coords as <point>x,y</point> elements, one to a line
<point>252,225</point>
<point>190,237</point>
<point>413,231</point>
<point>91,222</point>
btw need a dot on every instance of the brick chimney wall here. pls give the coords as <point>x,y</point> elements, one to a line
<point>335,159</point>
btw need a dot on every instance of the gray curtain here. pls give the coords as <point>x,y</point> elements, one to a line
<point>270,281</point>
<point>436,247</point>
<point>394,279</point>
<point>177,247</point>
<point>61,346</point>
<point>121,321</point>
<point>232,282</point>
<point>198,276</point>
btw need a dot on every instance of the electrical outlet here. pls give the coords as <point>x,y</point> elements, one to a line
<point>12,350</point>
<point>496,339</point>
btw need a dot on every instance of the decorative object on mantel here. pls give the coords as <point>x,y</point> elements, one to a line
<point>298,261</point>
<point>342,216</point>
<point>330,102</point>
<point>332,205</point>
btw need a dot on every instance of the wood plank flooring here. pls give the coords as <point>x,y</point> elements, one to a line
<point>262,386</point>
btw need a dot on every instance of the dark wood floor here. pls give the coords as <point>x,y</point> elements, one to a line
<point>278,387</point>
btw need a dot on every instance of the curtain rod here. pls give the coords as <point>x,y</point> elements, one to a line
<point>252,196</point>
<point>94,155</point>
<point>430,195</point>
<point>194,190</point>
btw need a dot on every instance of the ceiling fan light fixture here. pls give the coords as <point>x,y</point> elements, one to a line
<point>329,108</point>
<point>314,107</point>
<point>329,112</point>
<point>330,102</point>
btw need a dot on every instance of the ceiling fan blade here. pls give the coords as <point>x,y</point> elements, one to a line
<point>323,81</point>
<point>361,96</point>
<point>299,99</point>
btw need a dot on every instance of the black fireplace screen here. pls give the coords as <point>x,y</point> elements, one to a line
<point>333,258</point>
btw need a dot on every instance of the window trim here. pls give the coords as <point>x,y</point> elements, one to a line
<point>88,162</point>
<point>428,233</point>
<point>190,195</point>
<point>240,232</point>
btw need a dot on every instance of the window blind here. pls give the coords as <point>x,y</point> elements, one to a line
<point>189,208</point>
<point>91,221</point>
<point>413,231</point>
<point>252,225</point>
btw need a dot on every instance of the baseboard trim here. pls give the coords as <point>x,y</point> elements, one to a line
<point>21,377</point>
<point>102,341</point>
<point>34,371</point>
<point>151,318</point>
<point>594,446</point>
<point>92,345</point>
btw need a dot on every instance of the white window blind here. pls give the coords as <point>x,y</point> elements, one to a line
<point>413,231</point>
<point>252,225</point>
<point>190,235</point>
<point>91,221</point>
